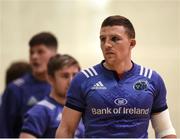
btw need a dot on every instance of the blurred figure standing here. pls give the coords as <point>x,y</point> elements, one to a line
<point>20,95</point>
<point>43,119</point>
<point>16,70</point>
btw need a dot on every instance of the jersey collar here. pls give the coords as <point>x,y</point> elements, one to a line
<point>126,74</point>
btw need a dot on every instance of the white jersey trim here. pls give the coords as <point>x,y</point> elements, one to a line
<point>85,73</point>
<point>150,74</point>
<point>141,71</point>
<point>90,72</point>
<point>146,72</point>
<point>94,70</point>
<point>19,82</point>
<point>47,104</point>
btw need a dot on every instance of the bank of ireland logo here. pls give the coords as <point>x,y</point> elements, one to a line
<point>140,85</point>
<point>120,101</point>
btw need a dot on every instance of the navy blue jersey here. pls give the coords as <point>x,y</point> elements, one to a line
<point>20,96</point>
<point>117,107</point>
<point>43,119</point>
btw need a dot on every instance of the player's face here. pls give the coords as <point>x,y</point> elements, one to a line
<point>39,57</point>
<point>62,79</point>
<point>115,44</point>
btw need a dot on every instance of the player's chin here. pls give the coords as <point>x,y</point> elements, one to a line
<point>110,60</point>
<point>38,71</point>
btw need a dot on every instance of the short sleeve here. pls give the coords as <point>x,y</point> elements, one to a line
<point>35,121</point>
<point>159,103</point>
<point>75,97</point>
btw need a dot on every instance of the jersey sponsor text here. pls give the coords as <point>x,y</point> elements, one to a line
<point>120,110</point>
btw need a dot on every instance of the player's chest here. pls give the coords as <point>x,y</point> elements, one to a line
<point>128,97</point>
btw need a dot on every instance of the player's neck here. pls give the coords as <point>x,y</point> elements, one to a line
<point>61,100</point>
<point>41,77</point>
<point>120,67</point>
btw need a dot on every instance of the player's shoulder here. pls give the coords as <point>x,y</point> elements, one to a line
<point>46,104</point>
<point>16,85</point>
<point>25,82</point>
<point>42,108</point>
<point>147,72</point>
<point>38,111</point>
<point>88,73</point>
<point>22,81</point>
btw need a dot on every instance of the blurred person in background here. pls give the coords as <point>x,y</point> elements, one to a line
<point>117,98</point>
<point>43,119</point>
<point>20,95</point>
<point>16,70</point>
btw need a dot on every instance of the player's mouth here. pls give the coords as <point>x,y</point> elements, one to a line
<point>36,65</point>
<point>109,53</point>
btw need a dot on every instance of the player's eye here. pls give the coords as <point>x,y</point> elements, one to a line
<point>102,39</point>
<point>65,75</point>
<point>40,52</point>
<point>115,39</point>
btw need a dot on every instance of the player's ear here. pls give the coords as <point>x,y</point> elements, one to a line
<point>132,43</point>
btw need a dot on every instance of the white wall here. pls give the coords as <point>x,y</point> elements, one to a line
<point>76,23</point>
